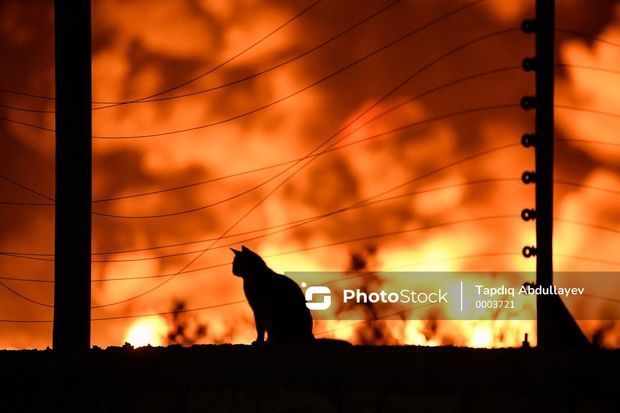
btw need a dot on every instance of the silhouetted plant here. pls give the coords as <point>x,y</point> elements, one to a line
<point>183,328</point>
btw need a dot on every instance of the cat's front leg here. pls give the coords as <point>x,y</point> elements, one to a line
<point>260,331</point>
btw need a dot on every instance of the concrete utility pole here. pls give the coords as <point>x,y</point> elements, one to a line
<point>72,24</point>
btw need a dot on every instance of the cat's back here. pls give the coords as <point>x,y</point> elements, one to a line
<point>271,284</point>
<point>288,288</point>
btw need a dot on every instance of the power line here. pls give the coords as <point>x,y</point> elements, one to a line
<point>594,260</point>
<point>386,96</point>
<point>29,110</point>
<point>228,84</point>
<point>20,93</point>
<point>16,203</point>
<point>299,56</point>
<point>274,67</point>
<point>588,110</point>
<point>617,192</point>
<point>426,93</point>
<point>342,242</point>
<point>364,238</point>
<point>469,256</point>
<point>299,91</point>
<point>588,225</point>
<point>187,310</point>
<point>40,254</point>
<point>455,258</point>
<point>596,188</point>
<point>186,82</point>
<point>592,68</point>
<point>262,72</point>
<point>314,219</point>
<point>271,166</point>
<point>441,57</point>
<point>357,204</point>
<point>277,101</point>
<point>38,280</point>
<point>316,82</point>
<point>219,238</point>
<point>145,277</point>
<point>366,273</point>
<point>147,100</point>
<point>598,297</point>
<point>303,11</point>
<point>26,187</point>
<point>23,297</point>
<point>299,222</point>
<point>398,86</point>
<point>305,220</point>
<point>30,125</point>
<point>26,256</point>
<point>21,279</point>
<point>589,141</point>
<point>561,182</point>
<point>587,36</point>
<point>302,221</point>
<point>263,183</point>
<point>499,254</point>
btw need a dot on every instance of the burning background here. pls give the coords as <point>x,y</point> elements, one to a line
<point>271,81</point>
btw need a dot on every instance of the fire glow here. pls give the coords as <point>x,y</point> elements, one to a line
<point>141,48</point>
<point>146,332</point>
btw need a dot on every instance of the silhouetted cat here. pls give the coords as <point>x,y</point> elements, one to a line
<point>278,303</point>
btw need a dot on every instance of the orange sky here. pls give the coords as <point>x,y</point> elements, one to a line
<point>140,49</point>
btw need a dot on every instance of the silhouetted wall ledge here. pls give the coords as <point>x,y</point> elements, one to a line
<point>237,378</point>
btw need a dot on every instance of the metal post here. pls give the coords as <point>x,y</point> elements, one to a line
<point>545,58</point>
<point>72,22</point>
<point>556,328</point>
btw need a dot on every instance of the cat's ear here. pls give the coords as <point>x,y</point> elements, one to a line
<point>237,252</point>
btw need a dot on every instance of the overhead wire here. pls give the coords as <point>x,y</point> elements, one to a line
<point>393,90</point>
<point>316,82</point>
<point>426,93</point>
<point>296,16</point>
<point>300,222</point>
<point>357,239</point>
<point>571,222</point>
<point>23,203</point>
<point>154,98</point>
<point>27,188</point>
<point>247,113</point>
<point>303,11</point>
<point>360,203</point>
<point>271,166</point>
<point>263,183</point>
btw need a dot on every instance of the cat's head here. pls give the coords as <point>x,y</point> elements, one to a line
<point>247,263</point>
